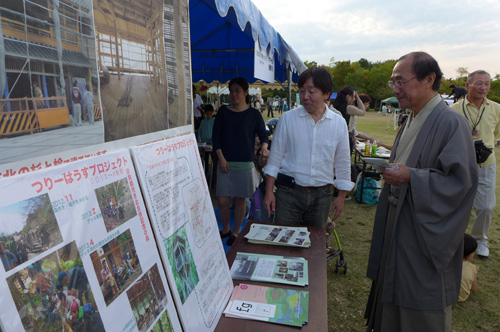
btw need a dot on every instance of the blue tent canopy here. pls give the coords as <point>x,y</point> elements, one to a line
<point>223,35</point>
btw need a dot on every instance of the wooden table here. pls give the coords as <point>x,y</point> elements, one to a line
<point>316,257</point>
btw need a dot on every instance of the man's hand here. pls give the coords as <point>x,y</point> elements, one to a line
<point>338,205</point>
<point>397,174</point>
<point>269,202</point>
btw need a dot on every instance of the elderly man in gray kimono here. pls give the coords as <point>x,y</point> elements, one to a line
<point>417,245</point>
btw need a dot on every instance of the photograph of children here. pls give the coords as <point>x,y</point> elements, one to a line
<point>283,270</point>
<point>300,274</point>
<point>116,265</point>
<point>279,275</point>
<point>182,263</point>
<point>53,294</point>
<point>289,233</point>
<point>163,324</point>
<point>298,241</point>
<point>291,277</point>
<point>302,234</point>
<point>285,239</point>
<point>147,298</point>
<point>116,203</point>
<point>294,266</point>
<point>282,263</point>
<point>274,233</point>
<point>28,228</point>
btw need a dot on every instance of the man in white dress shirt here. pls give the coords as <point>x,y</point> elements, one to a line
<point>310,144</point>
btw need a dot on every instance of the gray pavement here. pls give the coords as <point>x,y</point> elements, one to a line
<point>50,141</point>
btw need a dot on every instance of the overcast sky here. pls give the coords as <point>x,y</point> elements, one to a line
<point>462,33</point>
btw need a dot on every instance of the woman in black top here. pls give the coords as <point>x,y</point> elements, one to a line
<point>233,138</point>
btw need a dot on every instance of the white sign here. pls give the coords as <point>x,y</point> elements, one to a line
<point>263,64</point>
<point>183,219</point>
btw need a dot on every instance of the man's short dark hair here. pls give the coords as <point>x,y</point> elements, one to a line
<point>470,245</point>
<point>423,65</point>
<point>208,108</point>
<point>320,76</point>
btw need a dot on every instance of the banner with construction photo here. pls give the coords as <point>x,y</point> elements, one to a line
<point>75,73</point>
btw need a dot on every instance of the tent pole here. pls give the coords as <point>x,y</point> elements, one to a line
<point>289,79</point>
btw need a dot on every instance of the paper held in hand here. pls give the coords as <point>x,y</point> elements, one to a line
<point>279,235</point>
<point>378,163</point>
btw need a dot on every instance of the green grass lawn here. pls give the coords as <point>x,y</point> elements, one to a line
<point>347,293</point>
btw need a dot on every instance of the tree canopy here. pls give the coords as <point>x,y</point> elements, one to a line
<point>371,78</point>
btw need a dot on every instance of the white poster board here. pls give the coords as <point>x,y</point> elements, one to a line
<point>263,64</point>
<point>183,219</point>
<point>82,251</point>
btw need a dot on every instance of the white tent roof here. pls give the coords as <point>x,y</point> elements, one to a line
<point>225,90</point>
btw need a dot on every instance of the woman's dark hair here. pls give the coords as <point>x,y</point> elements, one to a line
<point>243,83</point>
<point>423,65</point>
<point>365,98</point>
<point>470,245</point>
<point>321,79</point>
<point>340,103</point>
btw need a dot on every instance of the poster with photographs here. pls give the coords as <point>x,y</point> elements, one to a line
<point>183,219</point>
<point>78,252</point>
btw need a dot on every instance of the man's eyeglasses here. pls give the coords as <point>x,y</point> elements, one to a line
<point>399,84</point>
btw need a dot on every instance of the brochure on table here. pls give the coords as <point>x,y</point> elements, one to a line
<point>269,268</point>
<point>82,251</point>
<point>183,219</point>
<point>269,304</point>
<point>279,235</point>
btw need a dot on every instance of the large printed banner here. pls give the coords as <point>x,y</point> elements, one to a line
<point>179,204</point>
<point>78,252</point>
<point>75,73</point>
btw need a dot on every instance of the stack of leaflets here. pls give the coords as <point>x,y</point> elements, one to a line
<point>279,235</point>
<point>268,304</point>
<point>278,269</point>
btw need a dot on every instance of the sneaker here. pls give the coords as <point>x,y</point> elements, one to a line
<point>483,250</point>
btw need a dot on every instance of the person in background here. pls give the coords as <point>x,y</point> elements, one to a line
<point>76,97</point>
<point>469,270</point>
<point>88,97</point>
<point>205,136</point>
<point>271,124</point>
<point>483,116</point>
<point>459,93</point>
<point>331,108</point>
<point>349,104</point>
<point>233,138</point>
<point>197,109</point>
<point>416,251</point>
<point>270,112</point>
<point>207,125</point>
<point>310,146</point>
<point>8,258</point>
<point>37,93</point>
<point>366,100</point>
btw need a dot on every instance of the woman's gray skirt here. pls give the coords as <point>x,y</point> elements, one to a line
<point>237,183</point>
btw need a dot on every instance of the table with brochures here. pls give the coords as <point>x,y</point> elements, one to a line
<point>316,257</point>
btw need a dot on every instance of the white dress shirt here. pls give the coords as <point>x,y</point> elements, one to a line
<point>197,102</point>
<point>310,151</point>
